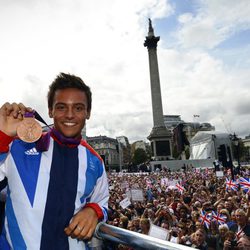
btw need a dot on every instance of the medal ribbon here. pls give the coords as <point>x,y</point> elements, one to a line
<point>36,116</point>
<point>28,114</point>
<point>39,118</point>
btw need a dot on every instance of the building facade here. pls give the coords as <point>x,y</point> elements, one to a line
<point>124,151</point>
<point>246,143</point>
<point>107,148</point>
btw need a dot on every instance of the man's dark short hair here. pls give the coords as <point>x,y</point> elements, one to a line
<point>65,81</point>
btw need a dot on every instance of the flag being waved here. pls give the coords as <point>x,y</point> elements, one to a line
<point>180,187</point>
<point>205,219</point>
<point>219,218</point>
<point>244,184</point>
<point>231,185</point>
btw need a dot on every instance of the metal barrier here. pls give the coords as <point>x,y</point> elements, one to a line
<point>133,239</point>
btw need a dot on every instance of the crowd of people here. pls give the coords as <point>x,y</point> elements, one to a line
<point>203,209</point>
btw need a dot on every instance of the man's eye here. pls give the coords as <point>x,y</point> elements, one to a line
<point>79,108</point>
<point>60,107</point>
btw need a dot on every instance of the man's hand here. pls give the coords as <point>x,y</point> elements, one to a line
<point>10,116</point>
<point>83,224</point>
<point>227,245</point>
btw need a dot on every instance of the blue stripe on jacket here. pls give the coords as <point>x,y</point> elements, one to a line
<point>60,204</point>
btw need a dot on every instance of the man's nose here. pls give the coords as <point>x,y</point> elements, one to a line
<point>69,113</point>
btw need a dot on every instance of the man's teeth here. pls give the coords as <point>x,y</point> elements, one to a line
<point>69,123</point>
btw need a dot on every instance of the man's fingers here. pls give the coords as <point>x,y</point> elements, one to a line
<point>86,233</point>
<point>70,228</point>
<point>80,232</point>
<point>6,108</point>
<point>19,116</point>
<point>83,224</point>
<point>15,109</point>
<point>88,230</point>
<point>23,109</point>
<point>77,232</point>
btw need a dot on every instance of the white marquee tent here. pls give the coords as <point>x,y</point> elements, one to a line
<point>204,145</point>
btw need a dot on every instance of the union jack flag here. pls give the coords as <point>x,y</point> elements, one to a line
<point>231,185</point>
<point>205,219</point>
<point>180,188</point>
<point>219,218</point>
<point>244,184</point>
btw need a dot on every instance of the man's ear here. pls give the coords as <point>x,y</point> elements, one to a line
<point>50,113</point>
<point>88,115</point>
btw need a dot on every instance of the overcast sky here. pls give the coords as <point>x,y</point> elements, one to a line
<point>203,57</point>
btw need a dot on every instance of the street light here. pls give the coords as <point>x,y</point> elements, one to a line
<point>107,161</point>
<point>236,142</point>
<point>120,155</point>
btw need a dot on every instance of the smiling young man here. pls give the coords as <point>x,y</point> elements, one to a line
<point>57,185</point>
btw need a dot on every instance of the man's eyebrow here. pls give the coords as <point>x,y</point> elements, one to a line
<point>59,103</point>
<point>65,103</point>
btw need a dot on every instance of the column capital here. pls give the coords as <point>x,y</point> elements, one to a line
<point>151,42</point>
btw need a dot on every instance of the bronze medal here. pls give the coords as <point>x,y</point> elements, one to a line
<point>29,130</point>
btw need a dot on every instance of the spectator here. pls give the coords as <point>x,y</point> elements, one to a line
<point>230,242</point>
<point>223,229</point>
<point>242,227</point>
<point>123,223</point>
<point>144,225</point>
<point>198,240</point>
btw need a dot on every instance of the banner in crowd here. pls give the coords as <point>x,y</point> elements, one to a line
<point>137,195</point>
<point>125,203</point>
<point>219,174</point>
<point>158,232</point>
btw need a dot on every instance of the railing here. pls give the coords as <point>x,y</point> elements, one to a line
<point>136,240</point>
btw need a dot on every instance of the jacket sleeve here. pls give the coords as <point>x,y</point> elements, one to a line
<point>100,193</point>
<point>5,142</point>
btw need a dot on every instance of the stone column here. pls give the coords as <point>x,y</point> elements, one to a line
<point>160,136</point>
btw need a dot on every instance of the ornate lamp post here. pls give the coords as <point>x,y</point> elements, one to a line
<point>107,161</point>
<point>236,142</point>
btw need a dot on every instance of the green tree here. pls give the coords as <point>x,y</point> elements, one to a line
<point>140,156</point>
<point>175,153</point>
<point>187,152</point>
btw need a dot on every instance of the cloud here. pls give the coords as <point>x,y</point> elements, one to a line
<point>135,124</point>
<point>214,22</point>
<point>195,82</point>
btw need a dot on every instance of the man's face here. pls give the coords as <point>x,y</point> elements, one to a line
<point>228,205</point>
<point>199,237</point>
<point>168,201</point>
<point>219,207</point>
<point>69,111</point>
<point>155,202</point>
<point>136,222</point>
<point>223,231</point>
<point>240,218</point>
